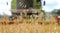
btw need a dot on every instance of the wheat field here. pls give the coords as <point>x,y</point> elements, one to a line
<point>29,26</point>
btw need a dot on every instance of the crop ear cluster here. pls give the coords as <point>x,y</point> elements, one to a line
<point>21,25</point>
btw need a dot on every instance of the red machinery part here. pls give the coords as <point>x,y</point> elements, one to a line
<point>57,19</point>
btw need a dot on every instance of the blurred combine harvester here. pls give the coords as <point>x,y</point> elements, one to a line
<point>28,7</point>
<point>21,4</point>
<point>5,7</point>
<point>26,4</point>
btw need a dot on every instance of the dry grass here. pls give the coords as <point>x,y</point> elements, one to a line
<point>29,26</point>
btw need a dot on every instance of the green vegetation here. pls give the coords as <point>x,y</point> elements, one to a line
<point>13,4</point>
<point>37,5</point>
<point>56,11</point>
